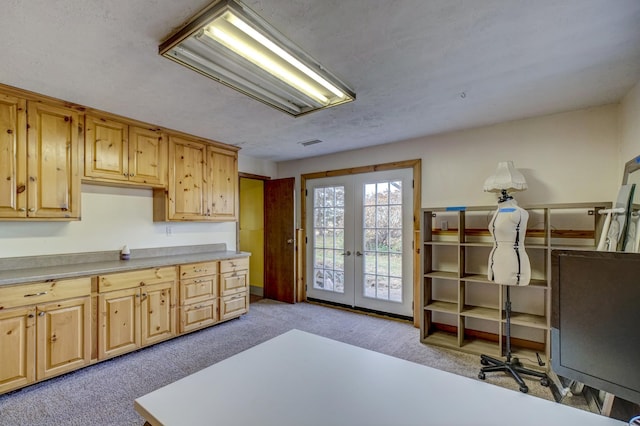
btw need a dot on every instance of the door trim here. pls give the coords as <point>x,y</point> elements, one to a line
<point>416,165</point>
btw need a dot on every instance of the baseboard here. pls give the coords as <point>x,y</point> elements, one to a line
<point>258,291</point>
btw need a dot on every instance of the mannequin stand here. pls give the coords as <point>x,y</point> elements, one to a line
<point>511,365</point>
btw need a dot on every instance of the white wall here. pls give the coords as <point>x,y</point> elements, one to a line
<point>630,125</point>
<point>567,157</point>
<point>111,218</point>
<point>256,166</point>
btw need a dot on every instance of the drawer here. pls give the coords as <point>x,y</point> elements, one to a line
<point>231,265</point>
<point>233,282</point>
<point>142,277</point>
<point>198,269</point>
<point>197,289</point>
<point>198,315</point>
<point>36,293</point>
<point>233,306</point>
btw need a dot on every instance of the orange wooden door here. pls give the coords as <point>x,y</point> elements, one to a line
<point>279,240</point>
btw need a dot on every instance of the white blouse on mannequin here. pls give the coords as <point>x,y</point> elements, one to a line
<point>508,261</point>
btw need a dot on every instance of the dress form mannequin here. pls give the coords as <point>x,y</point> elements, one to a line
<point>508,265</point>
<point>508,261</point>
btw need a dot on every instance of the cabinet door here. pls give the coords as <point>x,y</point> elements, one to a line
<point>187,185</point>
<point>198,315</point>
<point>147,156</point>
<point>17,348</point>
<point>118,322</point>
<point>63,337</point>
<point>198,289</point>
<point>234,306</point>
<point>106,149</point>
<point>157,309</point>
<point>13,157</point>
<point>233,282</point>
<point>223,178</point>
<point>53,182</point>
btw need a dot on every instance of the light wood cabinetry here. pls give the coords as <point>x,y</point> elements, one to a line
<point>203,183</point>
<point>223,178</point>
<point>45,330</point>
<point>198,295</point>
<point>39,147</point>
<point>462,309</point>
<point>234,287</point>
<point>116,152</point>
<point>135,309</point>
<point>53,327</point>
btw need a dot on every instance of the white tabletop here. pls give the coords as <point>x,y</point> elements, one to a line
<point>299,378</point>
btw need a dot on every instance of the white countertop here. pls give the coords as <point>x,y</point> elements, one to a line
<point>299,378</point>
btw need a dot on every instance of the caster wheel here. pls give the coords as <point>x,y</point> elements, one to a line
<point>484,361</point>
<point>481,376</point>
<point>544,382</point>
<point>524,389</point>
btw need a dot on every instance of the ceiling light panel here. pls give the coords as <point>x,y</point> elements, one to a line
<point>230,43</point>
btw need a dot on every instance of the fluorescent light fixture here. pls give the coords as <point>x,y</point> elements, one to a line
<point>231,44</point>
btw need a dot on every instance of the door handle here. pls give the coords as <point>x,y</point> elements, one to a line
<point>290,241</point>
<point>358,253</point>
<point>347,253</point>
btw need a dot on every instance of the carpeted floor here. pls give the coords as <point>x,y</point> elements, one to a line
<point>103,394</point>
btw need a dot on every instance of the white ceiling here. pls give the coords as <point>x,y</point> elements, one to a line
<point>418,67</point>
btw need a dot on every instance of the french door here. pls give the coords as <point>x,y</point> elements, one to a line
<point>359,240</point>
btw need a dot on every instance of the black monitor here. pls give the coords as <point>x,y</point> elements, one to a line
<point>595,320</point>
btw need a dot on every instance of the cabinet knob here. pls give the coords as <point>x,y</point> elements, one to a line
<point>32,209</point>
<point>22,209</point>
<point>41,314</point>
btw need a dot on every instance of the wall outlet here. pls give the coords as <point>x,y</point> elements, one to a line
<point>444,225</point>
<point>169,231</point>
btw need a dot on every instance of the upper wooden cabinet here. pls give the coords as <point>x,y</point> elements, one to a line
<point>117,152</point>
<point>38,160</point>
<point>203,183</point>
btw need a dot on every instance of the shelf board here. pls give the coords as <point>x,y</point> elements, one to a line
<point>477,278</point>
<point>442,274</point>
<point>572,247</point>
<point>481,312</point>
<point>443,339</point>
<point>486,244</point>
<point>481,346</point>
<point>440,243</point>
<point>534,282</point>
<point>528,320</point>
<point>442,306</point>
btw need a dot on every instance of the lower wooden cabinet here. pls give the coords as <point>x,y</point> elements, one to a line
<point>50,328</point>
<point>234,305</point>
<point>198,295</point>
<point>63,336</point>
<point>44,340</point>
<point>130,318</point>
<point>17,348</point>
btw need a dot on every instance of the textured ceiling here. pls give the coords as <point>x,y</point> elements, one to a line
<point>418,67</point>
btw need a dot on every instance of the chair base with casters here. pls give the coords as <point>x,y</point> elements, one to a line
<point>513,367</point>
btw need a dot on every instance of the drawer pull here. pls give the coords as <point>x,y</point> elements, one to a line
<point>42,293</point>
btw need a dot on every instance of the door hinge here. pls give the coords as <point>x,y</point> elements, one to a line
<point>306,192</point>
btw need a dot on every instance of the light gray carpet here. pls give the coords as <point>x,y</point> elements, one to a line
<point>103,394</point>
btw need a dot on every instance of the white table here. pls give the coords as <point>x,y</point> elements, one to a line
<point>299,378</point>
